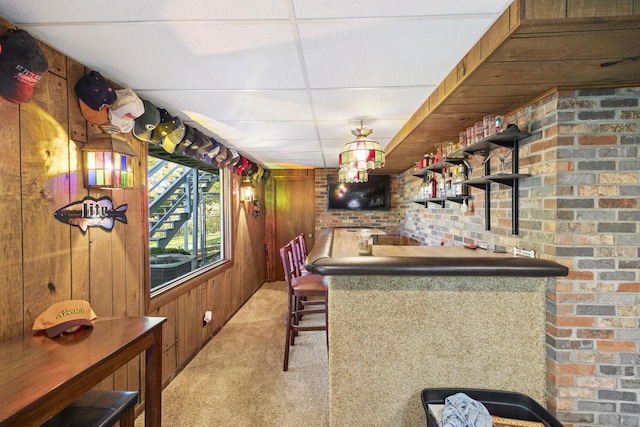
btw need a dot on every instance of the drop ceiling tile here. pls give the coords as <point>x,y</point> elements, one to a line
<point>185,55</point>
<point>223,105</point>
<point>386,52</point>
<point>341,130</point>
<point>384,103</point>
<point>31,11</point>
<point>287,147</point>
<point>270,130</point>
<point>290,159</point>
<point>313,9</point>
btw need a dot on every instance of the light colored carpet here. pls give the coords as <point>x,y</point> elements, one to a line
<point>237,378</point>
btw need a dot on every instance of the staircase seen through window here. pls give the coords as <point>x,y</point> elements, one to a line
<point>185,220</point>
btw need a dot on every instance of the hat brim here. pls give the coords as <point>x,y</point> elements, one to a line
<point>13,90</point>
<point>56,330</point>
<point>93,116</point>
<point>170,141</point>
<point>125,125</point>
<point>142,135</point>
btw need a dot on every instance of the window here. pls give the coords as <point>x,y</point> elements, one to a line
<point>187,218</point>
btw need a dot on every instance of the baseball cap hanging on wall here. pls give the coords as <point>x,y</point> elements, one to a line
<point>144,125</point>
<point>22,64</point>
<point>95,95</point>
<point>169,132</point>
<point>125,110</point>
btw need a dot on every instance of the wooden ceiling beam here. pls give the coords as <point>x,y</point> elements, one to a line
<point>534,46</point>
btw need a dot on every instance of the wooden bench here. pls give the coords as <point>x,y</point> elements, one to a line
<point>98,408</point>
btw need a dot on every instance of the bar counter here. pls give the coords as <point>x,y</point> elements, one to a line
<point>414,317</point>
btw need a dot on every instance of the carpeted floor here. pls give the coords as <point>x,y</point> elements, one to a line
<point>237,378</point>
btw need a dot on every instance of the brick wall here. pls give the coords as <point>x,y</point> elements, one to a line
<point>579,208</point>
<point>389,221</point>
<point>594,314</point>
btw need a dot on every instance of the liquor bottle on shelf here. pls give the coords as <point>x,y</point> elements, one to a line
<point>454,181</point>
<point>423,192</point>
<point>441,188</point>
<point>433,186</point>
<point>460,189</point>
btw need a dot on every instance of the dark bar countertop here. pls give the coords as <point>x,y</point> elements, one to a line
<point>335,253</point>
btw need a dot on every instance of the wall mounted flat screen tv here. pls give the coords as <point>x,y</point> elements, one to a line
<point>360,196</point>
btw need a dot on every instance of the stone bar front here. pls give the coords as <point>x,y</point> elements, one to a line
<point>415,317</point>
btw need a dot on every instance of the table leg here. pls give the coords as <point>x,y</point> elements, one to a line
<point>153,381</point>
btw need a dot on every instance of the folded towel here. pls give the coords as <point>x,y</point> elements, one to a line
<point>462,411</point>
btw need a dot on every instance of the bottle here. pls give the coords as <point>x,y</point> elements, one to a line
<point>441,192</point>
<point>499,120</point>
<point>461,190</point>
<point>433,186</point>
<point>448,190</point>
<point>424,192</point>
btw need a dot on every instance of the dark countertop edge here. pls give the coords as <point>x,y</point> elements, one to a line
<point>320,261</point>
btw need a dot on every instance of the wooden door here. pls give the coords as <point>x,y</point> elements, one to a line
<point>294,204</point>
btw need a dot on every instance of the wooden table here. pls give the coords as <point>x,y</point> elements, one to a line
<point>39,376</point>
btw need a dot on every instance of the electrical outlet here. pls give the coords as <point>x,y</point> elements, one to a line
<point>208,315</point>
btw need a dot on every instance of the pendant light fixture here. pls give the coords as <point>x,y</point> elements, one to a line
<point>349,176</point>
<point>359,156</point>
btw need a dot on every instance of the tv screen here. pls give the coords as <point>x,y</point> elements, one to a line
<point>360,196</point>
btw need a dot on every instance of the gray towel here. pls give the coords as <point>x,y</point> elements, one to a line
<point>462,411</point>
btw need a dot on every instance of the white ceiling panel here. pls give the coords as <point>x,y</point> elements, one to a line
<point>282,81</point>
<point>386,52</point>
<point>313,9</point>
<point>292,146</point>
<point>69,11</point>
<point>384,102</point>
<point>225,106</point>
<point>249,55</point>
<point>270,130</point>
<point>290,158</point>
<point>381,129</point>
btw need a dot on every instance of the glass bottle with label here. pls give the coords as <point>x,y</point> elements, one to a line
<point>448,189</point>
<point>433,186</point>
<point>423,192</point>
<point>441,188</point>
<point>461,190</point>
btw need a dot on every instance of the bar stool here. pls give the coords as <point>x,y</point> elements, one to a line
<point>300,254</point>
<point>299,288</point>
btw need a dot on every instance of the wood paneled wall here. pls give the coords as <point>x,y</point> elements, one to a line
<point>45,261</point>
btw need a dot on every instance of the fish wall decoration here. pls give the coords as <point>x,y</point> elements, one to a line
<point>92,212</point>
